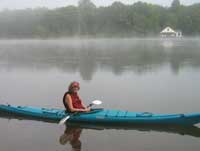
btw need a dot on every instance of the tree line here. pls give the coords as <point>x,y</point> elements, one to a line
<point>118,19</point>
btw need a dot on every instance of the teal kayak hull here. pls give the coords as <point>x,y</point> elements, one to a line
<point>104,116</point>
<point>189,130</point>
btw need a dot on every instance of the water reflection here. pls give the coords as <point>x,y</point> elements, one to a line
<point>73,131</point>
<point>88,56</point>
<point>180,130</point>
<point>72,136</point>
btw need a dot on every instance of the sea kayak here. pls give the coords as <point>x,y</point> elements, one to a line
<point>95,116</point>
<point>190,130</point>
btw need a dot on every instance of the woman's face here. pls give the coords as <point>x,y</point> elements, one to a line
<point>75,89</point>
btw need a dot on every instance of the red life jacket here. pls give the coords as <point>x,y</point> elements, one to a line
<point>76,101</point>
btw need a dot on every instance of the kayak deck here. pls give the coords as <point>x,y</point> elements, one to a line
<point>104,116</point>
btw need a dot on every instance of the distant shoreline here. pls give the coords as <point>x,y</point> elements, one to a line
<point>86,20</point>
<point>99,38</point>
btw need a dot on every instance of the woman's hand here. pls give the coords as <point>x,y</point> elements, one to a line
<point>87,109</point>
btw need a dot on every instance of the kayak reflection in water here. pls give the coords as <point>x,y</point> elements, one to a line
<point>71,135</point>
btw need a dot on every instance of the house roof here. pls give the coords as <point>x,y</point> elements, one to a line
<point>167,30</point>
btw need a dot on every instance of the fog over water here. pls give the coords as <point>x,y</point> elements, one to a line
<point>150,60</point>
<point>71,55</point>
<point>135,74</point>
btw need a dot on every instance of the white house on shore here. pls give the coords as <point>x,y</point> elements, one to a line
<point>169,32</point>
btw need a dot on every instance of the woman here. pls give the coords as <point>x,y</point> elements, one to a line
<point>72,101</point>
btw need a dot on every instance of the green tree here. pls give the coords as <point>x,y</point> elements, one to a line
<point>175,5</point>
<point>87,12</point>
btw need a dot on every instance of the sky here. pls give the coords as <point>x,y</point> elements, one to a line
<point>22,4</point>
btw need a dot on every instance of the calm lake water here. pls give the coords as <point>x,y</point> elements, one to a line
<point>154,75</point>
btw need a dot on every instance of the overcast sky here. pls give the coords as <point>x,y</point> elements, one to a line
<point>21,4</point>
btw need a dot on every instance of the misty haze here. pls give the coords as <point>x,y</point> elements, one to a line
<point>133,56</point>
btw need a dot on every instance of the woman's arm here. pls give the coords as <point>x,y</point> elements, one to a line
<point>68,100</point>
<point>86,109</point>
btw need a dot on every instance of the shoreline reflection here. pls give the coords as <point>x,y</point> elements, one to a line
<point>87,57</point>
